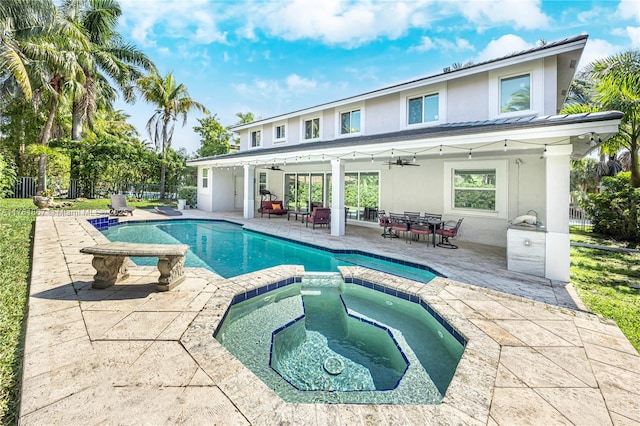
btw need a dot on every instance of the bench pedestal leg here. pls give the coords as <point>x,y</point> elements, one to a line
<point>171,272</point>
<point>110,270</point>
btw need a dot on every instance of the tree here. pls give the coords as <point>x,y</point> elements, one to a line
<point>20,22</point>
<point>245,118</point>
<point>107,55</point>
<point>7,176</point>
<point>584,176</point>
<point>214,137</point>
<point>171,100</point>
<point>57,70</point>
<point>616,82</point>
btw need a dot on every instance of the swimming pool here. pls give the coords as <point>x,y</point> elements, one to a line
<point>228,250</point>
<point>324,341</point>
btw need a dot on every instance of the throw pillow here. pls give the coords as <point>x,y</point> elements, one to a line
<point>276,206</point>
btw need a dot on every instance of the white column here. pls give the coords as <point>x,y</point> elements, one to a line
<point>337,197</point>
<point>557,248</point>
<point>249,191</point>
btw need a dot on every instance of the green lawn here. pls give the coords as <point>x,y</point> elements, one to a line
<point>601,278</point>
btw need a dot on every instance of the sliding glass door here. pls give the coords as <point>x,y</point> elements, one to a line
<point>361,192</point>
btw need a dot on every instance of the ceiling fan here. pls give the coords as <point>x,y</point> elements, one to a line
<point>401,163</point>
<point>275,168</point>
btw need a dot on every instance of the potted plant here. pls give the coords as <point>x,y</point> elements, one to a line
<point>187,196</point>
<point>43,199</point>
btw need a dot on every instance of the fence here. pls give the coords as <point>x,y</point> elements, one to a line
<point>578,217</point>
<point>26,187</point>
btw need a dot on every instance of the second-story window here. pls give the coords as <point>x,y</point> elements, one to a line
<point>515,93</point>
<point>256,138</point>
<point>423,109</point>
<point>350,122</point>
<point>312,128</point>
<point>280,132</point>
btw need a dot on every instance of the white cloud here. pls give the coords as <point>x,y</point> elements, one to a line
<point>148,20</point>
<point>336,21</point>
<point>505,45</point>
<point>522,14</point>
<point>293,85</point>
<point>426,44</point>
<point>299,85</point>
<point>596,49</point>
<point>629,9</point>
<point>634,35</point>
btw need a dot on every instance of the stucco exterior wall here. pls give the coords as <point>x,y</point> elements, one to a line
<point>222,184</point>
<point>382,114</point>
<point>551,106</point>
<point>472,92</point>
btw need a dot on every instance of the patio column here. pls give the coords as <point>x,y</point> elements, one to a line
<point>249,189</point>
<point>557,256</point>
<point>337,197</point>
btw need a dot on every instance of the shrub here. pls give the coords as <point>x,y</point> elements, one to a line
<point>7,177</point>
<point>189,193</point>
<point>615,210</point>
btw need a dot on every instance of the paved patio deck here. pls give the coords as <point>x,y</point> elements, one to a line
<point>131,355</point>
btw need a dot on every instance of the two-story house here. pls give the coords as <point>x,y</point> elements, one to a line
<point>484,142</point>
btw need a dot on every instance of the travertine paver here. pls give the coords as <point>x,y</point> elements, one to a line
<point>129,354</point>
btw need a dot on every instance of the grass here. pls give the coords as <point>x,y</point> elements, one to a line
<point>17,219</point>
<point>601,278</point>
<point>16,236</point>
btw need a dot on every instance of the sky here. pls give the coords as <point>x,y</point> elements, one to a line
<point>274,57</point>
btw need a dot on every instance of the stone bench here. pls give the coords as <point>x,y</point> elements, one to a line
<point>110,261</point>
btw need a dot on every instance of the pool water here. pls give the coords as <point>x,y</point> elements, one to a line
<point>228,250</point>
<point>324,341</point>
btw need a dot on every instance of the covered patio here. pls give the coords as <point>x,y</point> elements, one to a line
<point>131,354</point>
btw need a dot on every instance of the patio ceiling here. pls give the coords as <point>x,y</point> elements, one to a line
<point>453,139</point>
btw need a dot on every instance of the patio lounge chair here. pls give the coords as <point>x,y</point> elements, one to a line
<point>272,207</point>
<point>118,206</point>
<point>166,210</point>
<point>449,230</point>
<point>320,216</point>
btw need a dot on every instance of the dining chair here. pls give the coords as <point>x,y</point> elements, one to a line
<point>399,223</point>
<point>449,230</point>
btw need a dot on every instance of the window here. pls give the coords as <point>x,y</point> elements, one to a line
<point>350,122</point>
<point>256,138</point>
<point>424,109</point>
<point>262,182</point>
<point>311,128</point>
<point>474,189</point>
<point>205,178</point>
<point>280,132</point>
<point>515,93</point>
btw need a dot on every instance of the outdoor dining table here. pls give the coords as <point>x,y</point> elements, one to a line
<point>304,215</point>
<point>434,225</point>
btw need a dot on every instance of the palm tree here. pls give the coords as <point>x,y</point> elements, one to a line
<point>245,118</point>
<point>617,87</point>
<point>20,21</point>
<point>108,55</point>
<point>171,100</point>
<point>55,71</point>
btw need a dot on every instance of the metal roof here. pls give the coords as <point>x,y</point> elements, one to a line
<point>443,130</point>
